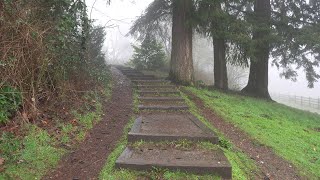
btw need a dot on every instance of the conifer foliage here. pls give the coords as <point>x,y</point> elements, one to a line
<point>149,56</point>
<point>244,32</point>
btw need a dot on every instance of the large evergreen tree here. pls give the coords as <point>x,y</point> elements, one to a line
<point>212,21</point>
<point>181,66</point>
<point>258,78</point>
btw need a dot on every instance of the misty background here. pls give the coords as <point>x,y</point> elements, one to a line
<point>118,18</point>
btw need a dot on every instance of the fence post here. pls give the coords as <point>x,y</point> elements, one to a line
<point>319,103</point>
<point>309,101</point>
<point>301,100</point>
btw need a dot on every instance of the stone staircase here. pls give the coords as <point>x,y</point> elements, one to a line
<point>164,116</point>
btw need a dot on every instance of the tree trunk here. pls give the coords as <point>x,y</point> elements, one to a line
<point>220,64</point>
<point>1,8</point>
<point>181,67</point>
<point>258,78</point>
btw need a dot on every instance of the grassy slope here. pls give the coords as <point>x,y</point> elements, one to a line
<point>242,166</point>
<point>290,132</point>
<point>32,155</point>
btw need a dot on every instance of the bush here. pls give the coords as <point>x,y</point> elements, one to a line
<point>150,55</point>
<point>10,100</point>
<point>49,50</point>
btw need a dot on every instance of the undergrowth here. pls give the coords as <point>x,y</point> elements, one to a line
<point>35,150</point>
<point>10,100</point>
<point>51,63</point>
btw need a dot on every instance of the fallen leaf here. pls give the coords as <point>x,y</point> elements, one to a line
<point>24,115</point>
<point>73,121</point>
<point>44,122</point>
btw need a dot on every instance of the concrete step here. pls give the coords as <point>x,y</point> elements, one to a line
<point>163,103</point>
<point>158,92</point>
<point>128,70</point>
<point>155,86</point>
<point>157,127</point>
<point>160,89</point>
<point>145,82</point>
<point>123,68</point>
<point>133,74</point>
<point>192,161</point>
<point>163,108</point>
<point>137,76</point>
<point>142,78</point>
<point>161,99</point>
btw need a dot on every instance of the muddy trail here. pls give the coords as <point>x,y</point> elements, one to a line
<point>89,158</point>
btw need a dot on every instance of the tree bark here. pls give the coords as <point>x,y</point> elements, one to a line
<point>219,44</point>
<point>220,64</point>
<point>1,8</point>
<point>258,78</point>
<point>181,66</point>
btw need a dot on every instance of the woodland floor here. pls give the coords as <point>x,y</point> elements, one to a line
<point>89,158</point>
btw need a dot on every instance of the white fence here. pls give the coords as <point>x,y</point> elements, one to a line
<point>300,102</point>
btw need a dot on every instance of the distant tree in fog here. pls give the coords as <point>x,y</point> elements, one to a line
<point>150,55</point>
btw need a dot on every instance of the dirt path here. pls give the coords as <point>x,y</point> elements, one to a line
<point>271,165</point>
<point>87,161</point>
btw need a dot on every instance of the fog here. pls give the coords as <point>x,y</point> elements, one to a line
<point>118,18</point>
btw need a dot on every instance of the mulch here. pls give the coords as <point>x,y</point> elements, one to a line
<point>271,165</point>
<point>87,161</point>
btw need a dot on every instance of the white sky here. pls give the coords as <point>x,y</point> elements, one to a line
<point>121,13</point>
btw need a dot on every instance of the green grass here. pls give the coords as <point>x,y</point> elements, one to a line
<point>291,133</point>
<point>34,159</point>
<point>86,120</point>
